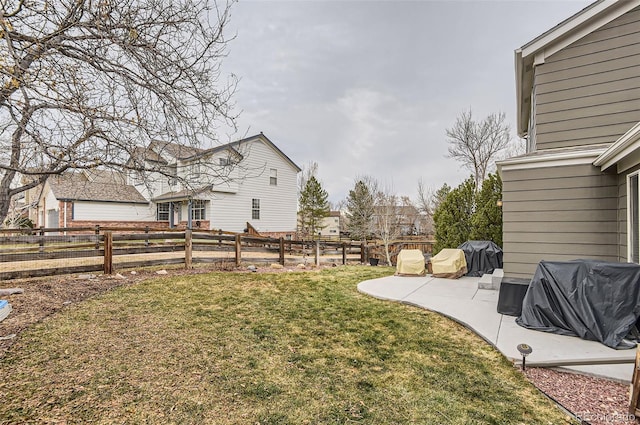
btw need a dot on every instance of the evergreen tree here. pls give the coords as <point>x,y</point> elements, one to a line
<point>486,223</point>
<point>452,219</point>
<point>439,196</point>
<point>360,211</point>
<point>313,207</point>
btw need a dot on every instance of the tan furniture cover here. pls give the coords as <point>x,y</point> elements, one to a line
<point>449,263</point>
<point>410,263</point>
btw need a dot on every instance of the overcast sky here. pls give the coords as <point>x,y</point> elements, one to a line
<point>369,87</point>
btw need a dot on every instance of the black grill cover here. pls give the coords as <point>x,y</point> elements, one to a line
<point>482,257</point>
<point>595,300</point>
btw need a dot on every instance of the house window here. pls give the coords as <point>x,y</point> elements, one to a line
<point>273,178</point>
<point>163,211</point>
<point>224,162</point>
<point>197,209</point>
<point>255,209</point>
<point>195,171</point>
<point>633,219</point>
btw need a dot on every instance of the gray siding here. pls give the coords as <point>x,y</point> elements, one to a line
<point>589,92</point>
<point>558,213</point>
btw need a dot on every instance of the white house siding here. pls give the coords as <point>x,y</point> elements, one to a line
<point>49,219</point>
<point>112,211</point>
<point>278,204</point>
<point>589,92</point>
<point>331,226</point>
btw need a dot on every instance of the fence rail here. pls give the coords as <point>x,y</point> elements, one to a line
<point>45,252</point>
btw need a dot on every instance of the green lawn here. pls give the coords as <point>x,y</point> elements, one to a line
<point>242,348</point>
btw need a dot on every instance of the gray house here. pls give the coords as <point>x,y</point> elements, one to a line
<point>576,192</point>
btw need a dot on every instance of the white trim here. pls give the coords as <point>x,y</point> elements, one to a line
<point>554,159</point>
<point>577,26</point>
<point>629,230</point>
<point>628,143</point>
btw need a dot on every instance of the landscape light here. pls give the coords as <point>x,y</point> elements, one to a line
<point>524,350</point>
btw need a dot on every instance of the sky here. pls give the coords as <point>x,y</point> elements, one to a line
<point>368,88</point>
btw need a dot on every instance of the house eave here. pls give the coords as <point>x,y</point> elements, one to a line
<point>111,201</point>
<point>552,159</point>
<point>621,149</point>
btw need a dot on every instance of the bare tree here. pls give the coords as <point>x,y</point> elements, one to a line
<point>428,201</point>
<point>477,144</point>
<point>388,218</point>
<point>308,171</point>
<point>91,83</point>
<point>516,147</point>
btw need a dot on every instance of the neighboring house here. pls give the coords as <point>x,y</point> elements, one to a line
<point>86,198</point>
<point>575,193</point>
<point>226,187</point>
<point>403,220</point>
<point>331,225</point>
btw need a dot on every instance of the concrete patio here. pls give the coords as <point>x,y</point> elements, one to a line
<point>461,300</point>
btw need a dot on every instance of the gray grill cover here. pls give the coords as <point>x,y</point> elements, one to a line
<point>594,300</point>
<point>482,257</point>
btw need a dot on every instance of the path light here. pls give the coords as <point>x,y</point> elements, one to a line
<point>525,350</point>
<point>499,203</point>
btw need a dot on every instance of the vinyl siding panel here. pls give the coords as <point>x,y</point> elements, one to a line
<point>112,211</point>
<point>589,92</point>
<point>278,204</point>
<point>558,213</point>
<point>607,92</point>
<point>578,136</point>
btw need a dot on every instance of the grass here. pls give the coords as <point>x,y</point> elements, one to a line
<point>241,348</point>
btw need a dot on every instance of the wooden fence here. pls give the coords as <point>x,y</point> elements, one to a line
<point>45,252</point>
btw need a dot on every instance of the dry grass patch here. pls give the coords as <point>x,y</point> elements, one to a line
<point>242,348</point>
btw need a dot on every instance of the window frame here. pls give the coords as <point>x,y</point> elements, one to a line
<point>255,209</point>
<point>273,177</point>
<point>167,212</point>
<point>198,209</point>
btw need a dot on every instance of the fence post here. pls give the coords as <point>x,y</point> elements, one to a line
<point>188,248</point>
<point>344,253</point>
<point>318,252</point>
<point>41,240</point>
<point>108,252</point>
<point>282,251</point>
<point>362,253</point>
<point>146,241</point>
<point>635,387</point>
<point>238,250</point>
<point>97,230</point>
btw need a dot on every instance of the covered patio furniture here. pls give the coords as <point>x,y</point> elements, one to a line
<point>449,263</point>
<point>410,263</point>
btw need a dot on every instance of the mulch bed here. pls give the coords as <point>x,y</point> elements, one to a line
<point>594,400</point>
